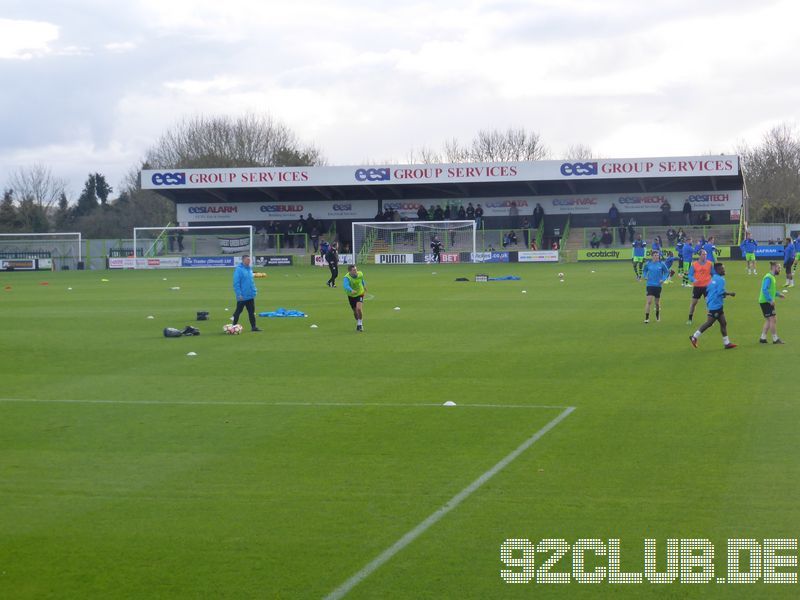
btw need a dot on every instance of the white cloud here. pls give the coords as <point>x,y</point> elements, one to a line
<point>120,46</point>
<point>372,81</point>
<point>26,39</point>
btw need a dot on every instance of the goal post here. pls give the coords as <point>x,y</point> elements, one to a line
<point>59,250</point>
<point>409,237</point>
<point>191,246</point>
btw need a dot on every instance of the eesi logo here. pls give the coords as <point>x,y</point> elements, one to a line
<point>381,174</point>
<point>587,168</point>
<point>168,178</point>
<point>342,207</point>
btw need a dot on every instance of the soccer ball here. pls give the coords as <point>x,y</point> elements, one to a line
<point>561,276</point>
<point>232,329</point>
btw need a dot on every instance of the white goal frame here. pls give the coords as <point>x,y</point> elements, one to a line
<point>419,226</point>
<point>57,236</point>
<point>188,229</point>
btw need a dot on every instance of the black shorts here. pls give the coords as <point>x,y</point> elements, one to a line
<point>787,265</point>
<point>767,309</point>
<point>654,290</point>
<point>355,300</point>
<point>716,314</point>
<point>699,290</point>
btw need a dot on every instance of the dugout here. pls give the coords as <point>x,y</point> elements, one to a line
<point>508,192</point>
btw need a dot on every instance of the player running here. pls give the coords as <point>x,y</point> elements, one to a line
<point>332,258</point>
<point>710,248</point>
<point>669,259</point>
<point>796,252</point>
<point>656,273</point>
<point>700,276</point>
<point>788,261</point>
<point>639,246</point>
<point>769,291</point>
<point>714,302</point>
<point>748,248</point>
<point>687,254</point>
<point>355,286</point>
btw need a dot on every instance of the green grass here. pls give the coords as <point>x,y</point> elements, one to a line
<point>131,470</point>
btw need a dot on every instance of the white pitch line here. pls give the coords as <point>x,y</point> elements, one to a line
<point>246,403</point>
<point>409,537</point>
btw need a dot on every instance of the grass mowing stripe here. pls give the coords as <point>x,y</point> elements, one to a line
<point>245,403</point>
<point>409,537</point>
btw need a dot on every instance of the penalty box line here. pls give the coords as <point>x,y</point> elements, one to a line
<point>267,404</point>
<point>409,537</point>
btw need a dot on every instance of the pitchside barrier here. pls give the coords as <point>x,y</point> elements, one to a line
<point>609,254</point>
<point>419,258</point>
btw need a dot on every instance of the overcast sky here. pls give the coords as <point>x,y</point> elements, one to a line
<point>88,86</point>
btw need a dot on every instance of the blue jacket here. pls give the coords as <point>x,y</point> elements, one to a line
<point>656,273</point>
<point>788,252</point>
<point>716,292</point>
<point>638,247</point>
<point>687,253</point>
<point>244,285</point>
<point>711,250</point>
<point>748,246</point>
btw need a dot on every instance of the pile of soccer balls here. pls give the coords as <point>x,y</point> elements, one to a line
<point>231,329</point>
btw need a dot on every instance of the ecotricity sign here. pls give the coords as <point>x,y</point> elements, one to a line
<point>274,211</point>
<point>545,170</point>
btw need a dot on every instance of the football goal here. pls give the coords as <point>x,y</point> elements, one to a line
<point>402,237</point>
<point>196,246</point>
<point>51,250</point>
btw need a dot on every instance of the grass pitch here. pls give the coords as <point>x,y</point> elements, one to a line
<point>279,464</point>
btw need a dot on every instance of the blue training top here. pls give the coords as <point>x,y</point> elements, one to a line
<point>687,253</point>
<point>748,246</point>
<point>638,248</point>
<point>716,292</point>
<point>656,273</point>
<point>710,249</point>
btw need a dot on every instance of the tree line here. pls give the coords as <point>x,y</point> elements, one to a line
<point>34,200</point>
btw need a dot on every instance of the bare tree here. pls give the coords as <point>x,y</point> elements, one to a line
<point>772,175</point>
<point>36,185</point>
<point>490,146</point>
<point>225,142</point>
<point>578,152</point>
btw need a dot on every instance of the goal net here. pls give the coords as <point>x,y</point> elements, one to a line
<point>49,250</point>
<point>197,246</point>
<point>411,237</point>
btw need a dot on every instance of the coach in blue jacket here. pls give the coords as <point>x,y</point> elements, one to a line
<point>244,286</point>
